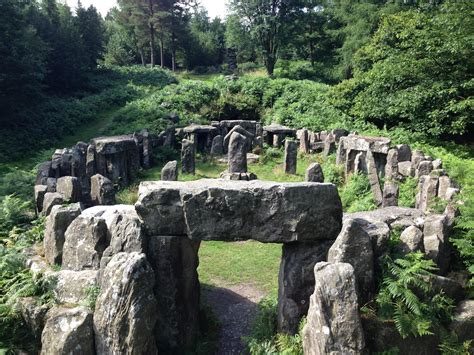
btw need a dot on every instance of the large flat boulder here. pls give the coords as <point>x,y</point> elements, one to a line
<point>239,210</point>
<point>362,143</point>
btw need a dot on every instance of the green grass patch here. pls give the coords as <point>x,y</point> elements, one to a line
<point>240,262</point>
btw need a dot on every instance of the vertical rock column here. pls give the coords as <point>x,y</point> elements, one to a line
<point>291,156</point>
<point>188,159</point>
<point>334,325</point>
<point>296,281</point>
<point>237,153</point>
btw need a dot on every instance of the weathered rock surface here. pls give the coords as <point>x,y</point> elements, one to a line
<point>225,175</point>
<point>291,156</point>
<point>436,241</point>
<point>68,331</point>
<point>390,194</point>
<point>304,141</point>
<point>314,173</point>
<point>70,188</point>
<point>237,210</point>
<point>405,168</point>
<point>403,153</point>
<point>237,154</point>
<point>354,246</point>
<point>379,233</point>
<point>329,145</point>
<point>296,281</point>
<point>117,158</point>
<point>44,171</point>
<point>125,313</point>
<point>86,240</point>
<point>392,216</point>
<point>411,240</point>
<point>102,190</point>
<point>391,167</point>
<point>463,322</point>
<point>170,171</point>
<point>427,191</point>
<point>188,152</point>
<point>50,200</point>
<point>374,178</point>
<point>217,147</point>
<point>40,192</point>
<point>72,286</point>
<point>174,260</point>
<point>56,225</point>
<point>333,324</point>
<point>34,314</point>
<point>424,168</point>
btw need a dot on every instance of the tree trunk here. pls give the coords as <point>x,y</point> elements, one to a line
<point>142,56</point>
<point>162,51</point>
<point>152,35</point>
<point>173,52</point>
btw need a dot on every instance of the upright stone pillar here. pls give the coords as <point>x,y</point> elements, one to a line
<point>217,145</point>
<point>304,141</point>
<point>170,171</point>
<point>314,173</point>
<point>237,155</point>
<point>188,159</point>
<point>296,281</point>
<point>329,144</point>
<point>390,194</point>
<point>291,156</point>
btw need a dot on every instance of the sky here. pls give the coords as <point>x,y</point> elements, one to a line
<point>214,7</point>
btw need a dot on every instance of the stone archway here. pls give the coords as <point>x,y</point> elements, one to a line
<point>305,217</point>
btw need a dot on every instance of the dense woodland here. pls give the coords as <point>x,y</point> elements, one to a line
<point>398,68</point>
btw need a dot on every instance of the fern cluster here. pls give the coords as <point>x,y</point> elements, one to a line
<point>407,296</point>
<point>265,340</point>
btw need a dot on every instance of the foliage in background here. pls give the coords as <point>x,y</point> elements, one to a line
<point>356,194</point>
<point>411,75</point>
<point>407,297</point>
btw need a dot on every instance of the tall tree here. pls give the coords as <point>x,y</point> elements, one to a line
<point>265,20</point>
<point>91,30</point>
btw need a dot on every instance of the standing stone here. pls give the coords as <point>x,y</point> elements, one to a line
<point>304,141</point>
<point>237,153</point>
<point>390,194</point>
<point>68,331</point>
<point>354,246</point>
<point>405,168</point>
<point>391,167</point>
<point>70,188</point>
<point>51,184</point>
<point>463,320</point>
<point>436,241</point>
<point>427,191</point>
<point>333,324</point>
<point>217,147</point>
<point>403,152</point>
<point>40,192</point>
<point>174,260</point>
<point>188,152</point>
<point>44,172</point>
<point>85,241</point>
<point>374,178</point>
<point>360,164</point>
<point>78,160</point>
<point>102,191</point>
<point>340,153</point>
<point>33,313</point>
<point>170,171</point>
<point>125,311</point>
<point>90,161</point>
<point>291,156</point>
<point>314,173</point>
<point>437,164</point>
<point>50,200</point>
<point>71,286</point>
<point>416,157</point>
<point>278,140</point>
<point>424,168</point>
<point>411,240</point>
<point>56,225</point>
<point>147,149</point>
<point>329,145</point>
<point>444,184</point>
<point>296,281</point>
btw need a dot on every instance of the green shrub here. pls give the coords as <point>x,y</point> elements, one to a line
<point>296,70</point>
<point>17,182</point>
<point>356,194</point>
<point>407,296</point>
<point>407,192</point>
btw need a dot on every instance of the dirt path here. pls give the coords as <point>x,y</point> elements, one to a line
<point>235,307</point>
